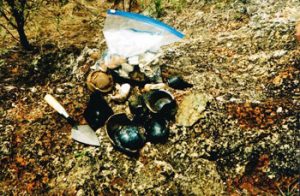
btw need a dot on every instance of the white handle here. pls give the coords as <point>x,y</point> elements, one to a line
<point>56,105</point>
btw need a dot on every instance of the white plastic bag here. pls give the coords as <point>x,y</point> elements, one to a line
<point>129,34</point>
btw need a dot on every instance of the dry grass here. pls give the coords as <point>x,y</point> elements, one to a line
<point>76,23</point>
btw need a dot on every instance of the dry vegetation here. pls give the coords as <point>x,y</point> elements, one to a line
<point>242,53</point>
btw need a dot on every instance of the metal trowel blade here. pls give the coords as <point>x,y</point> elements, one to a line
<point>85,134</point>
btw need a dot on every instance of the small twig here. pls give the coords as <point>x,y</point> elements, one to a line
<point>280,191</point>
<point>26,16</point>
<point>86,8</point>
<point>145,8</point>
<point>7,19</point>
<point>102,42</point>
<point>293,185</point>
<point>9,32</point>
<point>153,59</point>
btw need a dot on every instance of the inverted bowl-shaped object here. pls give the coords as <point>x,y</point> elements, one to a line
<point>124,134</point>
<point>157,130</point>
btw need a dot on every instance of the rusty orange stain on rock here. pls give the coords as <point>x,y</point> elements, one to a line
<point>25,112</point>
<point>30,186</point>
<point>257,181</point>
<point>45,179</point>
<point>21,161</point>
<point>253,115</point>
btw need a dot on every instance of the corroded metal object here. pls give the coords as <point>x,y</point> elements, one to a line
<point>124,134</point>
<point>100,81</point>
<point>97,111</point>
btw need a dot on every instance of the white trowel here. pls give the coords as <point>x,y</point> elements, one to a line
<point>80,133</point>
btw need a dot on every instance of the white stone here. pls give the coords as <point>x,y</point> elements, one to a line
<point>279,110</point>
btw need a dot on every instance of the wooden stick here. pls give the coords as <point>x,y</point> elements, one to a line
<point>9,32</point>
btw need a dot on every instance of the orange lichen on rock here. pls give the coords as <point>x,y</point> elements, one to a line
<point>30,186</point>
<point>251,115</point>
<point>21,161</point>
<point>257,181</point>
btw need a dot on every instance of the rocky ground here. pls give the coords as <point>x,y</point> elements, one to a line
<point>236,131</point>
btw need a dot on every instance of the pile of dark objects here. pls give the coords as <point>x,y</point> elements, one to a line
<point>151,106</point>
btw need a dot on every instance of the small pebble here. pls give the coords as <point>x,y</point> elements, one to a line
<point>33,89</point>
<point>59,90</point>
<point>127,67</point>
<point>95,55</point>
<point>279,110</point>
